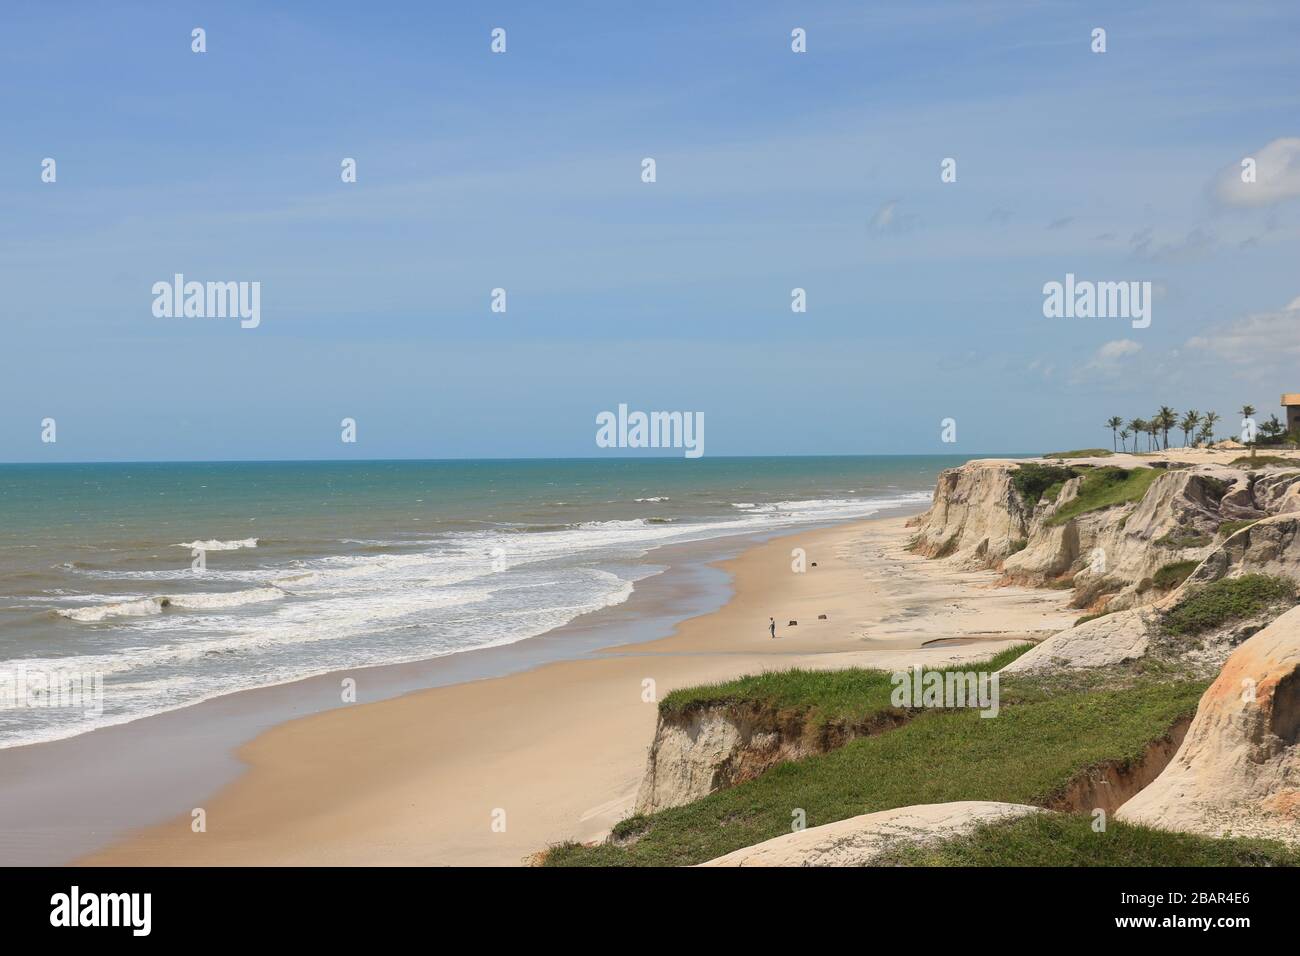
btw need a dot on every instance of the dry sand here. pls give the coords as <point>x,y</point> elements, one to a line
<point>561,748</point>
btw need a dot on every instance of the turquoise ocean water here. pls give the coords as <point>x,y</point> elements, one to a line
<point>309,567</point>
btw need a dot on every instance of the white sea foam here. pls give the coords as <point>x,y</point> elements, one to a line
<point>155,604</point>
<point>213,600</point>
<point>448,593</point>
<point>215,545</point>
<point>98,612</point>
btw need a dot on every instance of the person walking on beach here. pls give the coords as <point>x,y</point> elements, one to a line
<point>771,626</point>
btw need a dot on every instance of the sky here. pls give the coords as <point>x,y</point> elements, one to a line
<point>522,170</point>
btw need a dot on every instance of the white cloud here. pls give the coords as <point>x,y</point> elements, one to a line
<point>1266,337</point>
<point>889,220</point>
<point>1108,360</point>
<point>1277,176</point>
<point>1114,350</point>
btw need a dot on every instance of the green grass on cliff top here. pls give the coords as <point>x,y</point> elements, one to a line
<point>1061,839</point>
<point>1039,741</point>
<point>1262,461</point>
<point>1106,488</point>
<point>1081,453</point>
<point>848,695</point>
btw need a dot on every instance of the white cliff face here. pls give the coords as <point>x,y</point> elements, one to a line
<point>1112,556</point>
<point>1238,769</point>
<point>687,760</point>
<point>720,745</point>
<point>1113,639</point>
<point>860,841</point>
<point>977,517</point>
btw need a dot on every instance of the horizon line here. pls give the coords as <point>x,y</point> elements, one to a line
<point>331,461</point>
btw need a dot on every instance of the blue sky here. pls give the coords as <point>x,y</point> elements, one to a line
<point>522,170</point>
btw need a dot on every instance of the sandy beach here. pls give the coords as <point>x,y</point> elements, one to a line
<point>421,779</point>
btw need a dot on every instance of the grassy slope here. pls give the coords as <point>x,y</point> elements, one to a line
<point>845,695</point>
<point>1034,747</point>
<point>1105,488</point>
<point>1229,599</point>
<point>1068,840</point>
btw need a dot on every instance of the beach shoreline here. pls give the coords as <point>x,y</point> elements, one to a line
<point>556,751</point>
<point>153,767</point>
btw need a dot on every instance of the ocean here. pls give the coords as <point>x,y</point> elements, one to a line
<point>172,583</point>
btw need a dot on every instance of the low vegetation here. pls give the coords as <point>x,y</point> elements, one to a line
<point>1060,839</point>
<point>1181,538</point>
<point>1222,602</point>
<point>1031,480</point>
<point>1106,488</point>
<point>1090,617</point>
<point>1081,453</point>
<point>848,695</point>
<point>1040,741</point>
<point>1172,575</point>
<point>1229,528</point>
<point>1263,461</point>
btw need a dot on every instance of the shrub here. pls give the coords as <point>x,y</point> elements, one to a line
<point>1032,479</point>
<point>1172,575</point>
<point>1184,538</point>
<point>1230,599</point>
<point>1229,528</point>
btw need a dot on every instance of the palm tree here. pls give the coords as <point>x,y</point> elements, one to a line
<point>1123,437</point>
<point>1207,429</point>
<point>1114,424</point>
<point>1189,423</point>
<point>1246,412</point>
<point>1166,419</point>
<point>1138,426</point>
<point>1153,427</point>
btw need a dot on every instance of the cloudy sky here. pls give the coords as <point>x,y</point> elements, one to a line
<point>522,171</point>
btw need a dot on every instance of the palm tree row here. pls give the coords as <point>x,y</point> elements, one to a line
<point>1196,428</point>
